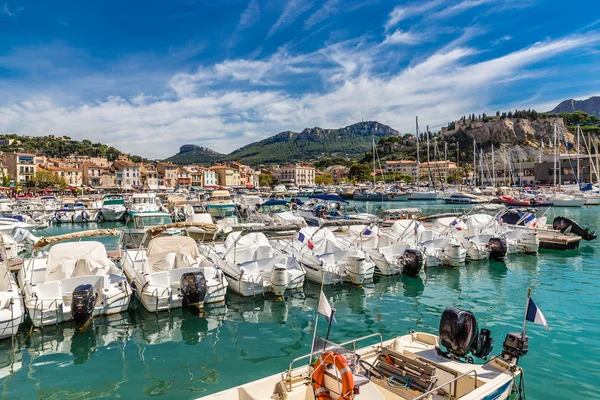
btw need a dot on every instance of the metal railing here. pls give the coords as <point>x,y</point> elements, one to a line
<point>435,389</point>
<point>288,377</point>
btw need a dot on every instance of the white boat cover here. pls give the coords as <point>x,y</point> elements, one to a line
<point>444,223</point>
<point>202,217</point>
<point>67,260</point>
<point>479,220</point>
<point>286,218</point>
<point>246,247</point>
<point>171,252</point>
<point>405,228</point>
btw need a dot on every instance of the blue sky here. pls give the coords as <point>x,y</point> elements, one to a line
<point>149,76</point>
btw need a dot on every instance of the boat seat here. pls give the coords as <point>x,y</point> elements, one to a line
<point>47,290</point>
<point>67,286</point>
<point>159,279</point>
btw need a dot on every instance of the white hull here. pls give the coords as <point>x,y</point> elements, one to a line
<point>423,196</point>
<point>109,214</point>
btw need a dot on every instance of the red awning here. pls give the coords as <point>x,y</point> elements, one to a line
<point>249,186</point>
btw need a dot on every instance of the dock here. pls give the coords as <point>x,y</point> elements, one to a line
<point>557,241</point>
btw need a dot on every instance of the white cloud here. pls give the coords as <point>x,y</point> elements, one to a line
<point>231,103</point>
<point>402,37</point>
<point>328,9</point>
<point>6,10</point>
<point>400,13</point>
<point>250,16</point>
<point>292,10</point>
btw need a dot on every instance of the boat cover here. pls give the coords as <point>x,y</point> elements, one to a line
<point>479,220</point>
<point>246,247</point>
<point>67,260</point>
<point>171,252</point>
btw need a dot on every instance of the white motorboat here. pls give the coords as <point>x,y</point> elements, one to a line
<point>12,313</point>
<point>566,200</point>
<point>252,266</point>
<point>424,195</point>
<point>144,203</point>
<point>484,246</point>
<point>141,222</point>
<point>416,366</point>
<point>76,280</point>
<point>326,259</point>
<point>74,212</point>
<point>171,273</point>
<point>113,208</point>
<point>443,251</point>
<point>390,256</point>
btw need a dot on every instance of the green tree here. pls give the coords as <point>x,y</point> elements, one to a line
<point>265,180</point>
<point>5,180</point>
<point>360,172</point>
<point>324,179</point>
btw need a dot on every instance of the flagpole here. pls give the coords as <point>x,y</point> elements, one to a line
<point>312,347</point>
<point>526,311</point>
<point>330,322</point>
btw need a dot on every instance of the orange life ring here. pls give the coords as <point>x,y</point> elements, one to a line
<point>332,358</point>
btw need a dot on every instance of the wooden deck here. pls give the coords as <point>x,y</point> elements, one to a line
<point>557,241</point>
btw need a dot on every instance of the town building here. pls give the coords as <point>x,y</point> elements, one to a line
<point>226,175</point>
<point>149,175</point>
<point>109,179</point>
<point>21,166</point>
<point>92,174</point>
<point>184,178</point>
<point>127,174</point>
<point>298,175</point>
<point>73,176</point>
<point>402,167</point>
<point>338,172</point>
<point>167,175</point>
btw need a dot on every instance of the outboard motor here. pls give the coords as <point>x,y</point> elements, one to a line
<point>497,248</point>
<point>567,225</point>
<point>515,345</point>
<point>460,335</point>
<point>279,279</point>
<point>412,262</point>
<point>193,289</point>
<point>83,302</point>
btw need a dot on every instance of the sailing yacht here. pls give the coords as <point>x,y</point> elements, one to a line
<point>419,194</point>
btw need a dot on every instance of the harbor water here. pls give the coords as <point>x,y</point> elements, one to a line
<point>179,355</point>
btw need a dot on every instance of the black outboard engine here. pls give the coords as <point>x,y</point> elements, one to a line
<point>515,345</point>
<point>83,302</point>
<point>497,248</point>
<point>412,262</point>
<point>567,225</point>
<point>460,335</point>
<point>193,289</point>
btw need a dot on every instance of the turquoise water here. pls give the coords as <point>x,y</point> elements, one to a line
<point>179,355</point>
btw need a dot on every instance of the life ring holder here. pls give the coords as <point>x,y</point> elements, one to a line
<point>318,376</point>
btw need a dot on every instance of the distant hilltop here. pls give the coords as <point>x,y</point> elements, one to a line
<point>590,106</point>
<point>289,147</point>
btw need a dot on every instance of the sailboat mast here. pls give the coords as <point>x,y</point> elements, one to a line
<point>428,166</point>
<point>555,157</point>
<point>474,163</point>
<point>374,174</point>
<point>418,159</point>
<point>578,175</point>
<point>446,162</point>
<point>493,168</point>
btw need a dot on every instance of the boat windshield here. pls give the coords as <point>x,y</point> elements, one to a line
<point>277,208</point>
<point>223,211</point>
<point>143,222</point>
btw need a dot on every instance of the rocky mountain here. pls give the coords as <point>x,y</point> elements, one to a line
<point>190,154</point>
<point>288,146</point>
<point>590,106</point>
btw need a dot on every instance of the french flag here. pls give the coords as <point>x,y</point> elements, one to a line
<point>302,238</point>
<point>534,314</point>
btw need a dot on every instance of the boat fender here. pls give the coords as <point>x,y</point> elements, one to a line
<point>318,377</point>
